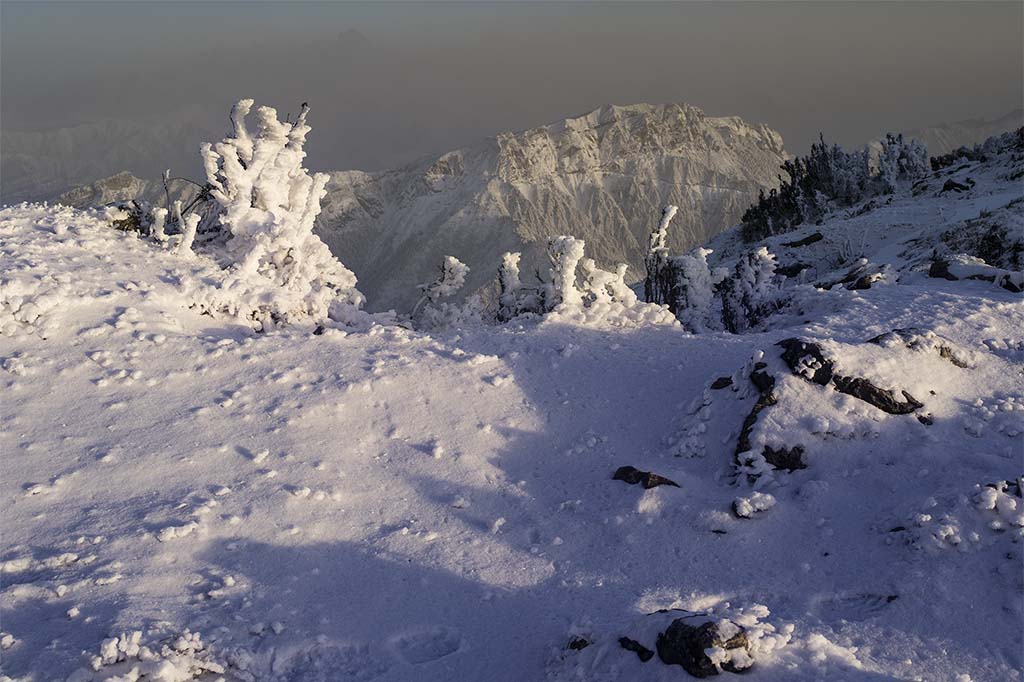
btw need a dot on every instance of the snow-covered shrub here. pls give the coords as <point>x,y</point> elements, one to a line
<point>693,289</point>
<point>900,161</point>
<point>429,313</point>
<point>748,295</point>
<point>684,283</point>
<point>830,177</point>
<point>603,286</point>
<point>515,298</point>
<point>508,284</point>
<point>565,253</point>
<point>188,228</point>
<point>452,277</point>
<point>835,175</point>
<point>156,229</point>
<point>658,283</point>
<point>472,312</point>
<point>268,203</point>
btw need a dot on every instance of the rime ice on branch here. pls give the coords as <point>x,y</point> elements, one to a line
<point>269,203</point>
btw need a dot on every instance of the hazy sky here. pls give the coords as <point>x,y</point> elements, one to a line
<point>390,82</point>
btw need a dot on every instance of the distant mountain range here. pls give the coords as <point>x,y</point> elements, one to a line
<point>603,176</point>
<point>946,137</point>
<point>39,166</point>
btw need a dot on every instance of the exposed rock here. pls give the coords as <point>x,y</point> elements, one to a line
<point>806,360</point>
<point>632,476</point>
<point>642,652</point>
<point>578,643</point>
<point>788,459</point>
<point>791,270</point>
<point>688,645</point>
<point>952,185</point>
<point>882,399</point>
<point>939,269</point>
<point>861,276</point>
<point>806,241</point>
<point>765,383</point>
<point>721,382</point>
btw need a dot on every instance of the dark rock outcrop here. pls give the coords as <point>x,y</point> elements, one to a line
<point>809,239</point>
<point>685,644</point>
<point>642,652</point>
<point>632,476</point>
<point>806,359</point>
<point>721,382</point>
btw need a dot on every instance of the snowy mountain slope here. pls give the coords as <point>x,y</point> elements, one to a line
<point>973,208</point>
<point>600,177</point>
<point>381,504</point>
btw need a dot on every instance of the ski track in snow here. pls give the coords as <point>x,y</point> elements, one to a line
<point>388,505</point>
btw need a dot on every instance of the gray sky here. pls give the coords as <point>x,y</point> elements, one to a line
<point>390,82</point>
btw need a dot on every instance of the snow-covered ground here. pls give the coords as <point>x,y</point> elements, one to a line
<point>382,504</point>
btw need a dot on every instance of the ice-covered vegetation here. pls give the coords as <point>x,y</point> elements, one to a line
<point>829,177</point>
<point>798,459</point>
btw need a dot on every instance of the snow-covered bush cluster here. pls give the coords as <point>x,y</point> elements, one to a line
<point>254,219</point>
<point>574,289</point>
<point>831,177</point>
<point>577,290</point>
<point>684,283</point>
<point>269,203</point>
<point>698,294</point>
<point>748,296</point>
<point>900,162</point>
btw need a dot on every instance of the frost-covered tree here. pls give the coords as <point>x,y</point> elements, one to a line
<point>748,295</point>
<point>835,175</point>
<point>268,203</point>
<point>900,162</point>
<point>658,282</point>
<point>450,280</point>
<point>825,178</point>
<point>514,298</point>
<point>693,290</point>
<point>509,286</point>
<point>565,253</point>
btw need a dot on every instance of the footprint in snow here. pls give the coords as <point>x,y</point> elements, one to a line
<point>852,607</point>
<point>429,644</point>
